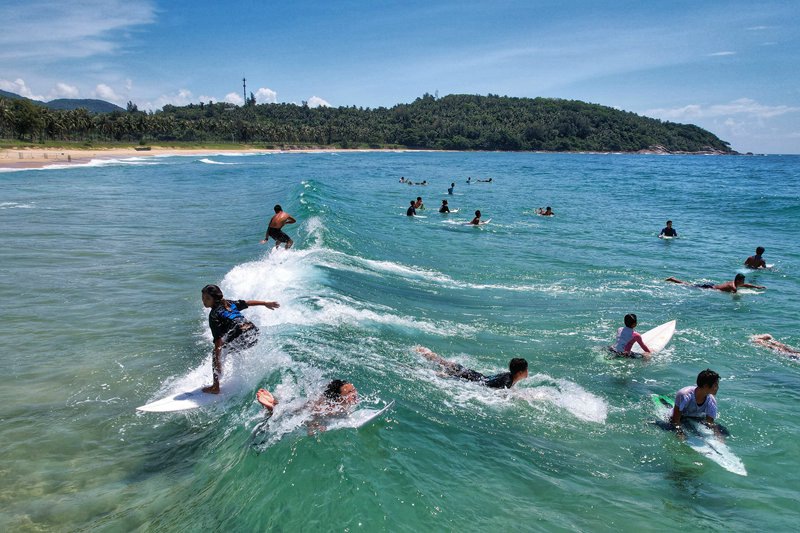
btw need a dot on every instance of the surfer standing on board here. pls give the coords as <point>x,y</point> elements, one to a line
<point>669,231</point>
<point>230,329</point>
<point>280,219</point>
<point>627,337</point>
<point>517,370</point>
<point>697,401</point>
<point>728,286</point>
<point>756,261</point>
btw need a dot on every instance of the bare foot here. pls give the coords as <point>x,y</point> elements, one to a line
<point>211,389</point>
<point>266,399</point>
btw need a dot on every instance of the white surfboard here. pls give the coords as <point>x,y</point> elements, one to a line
<point>182,401</point>
<point>359,417</point>
<point>657,338</point>
<point>481,223</point>
<point>703,440</point>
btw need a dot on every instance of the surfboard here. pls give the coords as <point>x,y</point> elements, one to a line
<point>182,401</point>
<point>701,438</point>
<point>481,223</point>
<point>657,338</point>
<point>666,237</point>
<point>359,417</point>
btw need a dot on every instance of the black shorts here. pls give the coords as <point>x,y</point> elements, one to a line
<point>460,371</point>
<point>705,286</point>
<point>278,235</point>
<point>242,338</point>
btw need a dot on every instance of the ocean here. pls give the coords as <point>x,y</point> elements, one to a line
<point>102,266</point>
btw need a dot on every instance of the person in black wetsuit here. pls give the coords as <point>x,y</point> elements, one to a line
<point>517,370</point>
<point>229,328</point>
<point>668,231</point>
<point>411,211</point>
<point>444,208</point>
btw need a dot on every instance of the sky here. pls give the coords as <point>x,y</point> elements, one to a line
<point>729,66</point>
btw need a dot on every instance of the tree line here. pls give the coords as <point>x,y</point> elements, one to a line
<point>454,122</point>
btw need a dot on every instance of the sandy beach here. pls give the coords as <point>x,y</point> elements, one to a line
<point>43,157</point>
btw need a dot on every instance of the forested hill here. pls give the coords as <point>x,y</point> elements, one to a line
<point>454,122</point>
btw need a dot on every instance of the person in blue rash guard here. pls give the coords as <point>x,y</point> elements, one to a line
<point>517,370</point>
<point>229,328</point>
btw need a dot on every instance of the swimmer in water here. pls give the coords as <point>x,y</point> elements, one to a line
<point>444,208</point>
<point>767,341</point>
<point>728,286</point>
<point>546,212</point>
<point>756,261</point>
<point>669,231</point>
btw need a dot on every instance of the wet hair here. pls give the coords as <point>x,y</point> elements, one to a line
<point>548,208</point>
<point>517,365</point>
<point>669,222</point>
<point>759,250</point>
<point>477,213</point>
<point>452,184</point>
<point>444,202</point>
<point>707,378</point>
<point>278,208</point>
<point>216,294</point>
<point>630,320</point>
<point>419,197</point>
<point>412,202</point>
<point>739,277</point>
<point>334,389</point>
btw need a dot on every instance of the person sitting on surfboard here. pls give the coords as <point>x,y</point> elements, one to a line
<point>230,329</point>
<point>418,204</point>
<point>756,261</point>
<point>477,219</point>
<point>444,208</point>
<point>627,337</point>
<point>517,370</point>
<point>697,401</point>
<point>410,212</point>
<point>728,286</point>
<point>669,231</point>
<point>450,189</point>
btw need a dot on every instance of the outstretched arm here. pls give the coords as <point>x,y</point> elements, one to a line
<point>749,286</point>
<point>268,305</point>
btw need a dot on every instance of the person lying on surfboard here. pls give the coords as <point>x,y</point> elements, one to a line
<point>477,220</point>
<point>339,397</point>
<point>728,286</point>
<point>546,212</point>
<point>756,261</point>
<point>517,370</point>
<point>230,329</point>
<point>697,401</point>
<point>767,341</point>
<point>627,337</point>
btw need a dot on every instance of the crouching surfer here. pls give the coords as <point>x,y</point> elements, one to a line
<point>232,332</point>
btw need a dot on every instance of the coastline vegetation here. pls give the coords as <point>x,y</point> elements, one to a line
<point>454,122</point>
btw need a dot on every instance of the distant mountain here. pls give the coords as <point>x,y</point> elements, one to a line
<point>94,106</point>
<point>66,104</point>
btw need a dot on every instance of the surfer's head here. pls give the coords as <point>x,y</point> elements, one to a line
<point>669,223</point>
<point>760,250</point>
<point>708,379</point>
<point>477,213</point>
<point>630,320</point>
<point>278,208</point>
<point>339,390</point>
<point>738,280</point>
<point>212,295</point>
<point>517,365</point>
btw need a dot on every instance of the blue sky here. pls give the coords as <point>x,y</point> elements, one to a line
<point>732,67</point>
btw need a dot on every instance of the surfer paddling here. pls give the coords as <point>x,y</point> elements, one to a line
<point>767,341</point>
<point>546,212</point>
<point>274,230</point>
<point>338,398</point>
<point>517,370</point>
<point>230,329</point>
<point>728,286</point>
<point>756,261</point>
<point>697,401</point>
<point>627,337</point>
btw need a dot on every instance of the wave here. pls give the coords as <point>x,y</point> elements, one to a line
<point>212,162</point>
<point>15,205</point>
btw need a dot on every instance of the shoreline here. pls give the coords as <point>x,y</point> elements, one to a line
<point>37,158</point>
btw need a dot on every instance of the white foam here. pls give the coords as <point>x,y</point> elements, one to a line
<point>568,396</point>
<point>212,162</point>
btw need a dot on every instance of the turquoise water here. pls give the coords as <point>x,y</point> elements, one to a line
<point>101,270</point>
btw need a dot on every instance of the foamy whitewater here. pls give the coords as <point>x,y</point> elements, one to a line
<point>102,267</point>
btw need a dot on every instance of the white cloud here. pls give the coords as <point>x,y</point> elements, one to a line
<point>725,53</point>
<point>266,96</point>
<point>19,87</point>
<point>53,30</point>
<point>104,92</point>
<point>234,98</point>
<point>181,98</point>
<point>316,101</point>
<point>742,106</point>
<point>62,90</point>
